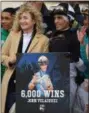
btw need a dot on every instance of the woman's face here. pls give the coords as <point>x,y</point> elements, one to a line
<point>26,22</point>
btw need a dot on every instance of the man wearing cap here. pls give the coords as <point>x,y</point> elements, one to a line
<point>65,40</point>
<point>41,79</point>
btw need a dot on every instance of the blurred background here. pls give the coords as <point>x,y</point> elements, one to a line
<point>50,4</point>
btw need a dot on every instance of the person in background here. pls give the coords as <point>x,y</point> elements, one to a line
<point>7,18</point>
<point>65,40</point>
<point>78,15</point>
<point>26,36</point>
<point>46,15</point>
<point>78,22</point>
<point>83,37</point>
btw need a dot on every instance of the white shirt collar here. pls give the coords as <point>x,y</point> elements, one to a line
<point>26,39</point>
<point>27,34</point>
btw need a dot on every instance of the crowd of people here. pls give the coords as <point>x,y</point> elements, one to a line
<point>32,28</point>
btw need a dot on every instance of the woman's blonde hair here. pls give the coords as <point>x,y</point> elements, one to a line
<point>36,16</point>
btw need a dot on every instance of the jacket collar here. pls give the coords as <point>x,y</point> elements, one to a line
<point>32,45</point>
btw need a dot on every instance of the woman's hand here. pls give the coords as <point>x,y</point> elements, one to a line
<point>81,35</point>
<point>11,61</point>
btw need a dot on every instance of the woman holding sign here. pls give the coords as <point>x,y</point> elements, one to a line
<point>26,37</point>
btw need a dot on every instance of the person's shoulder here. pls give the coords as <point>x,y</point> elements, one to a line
<point>14,32</point>
<point>13,35</point>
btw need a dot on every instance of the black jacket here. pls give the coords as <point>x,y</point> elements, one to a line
<point>65,41</point>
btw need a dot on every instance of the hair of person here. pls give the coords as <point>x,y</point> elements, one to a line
<point>10,10</point>
<point>35,14</point>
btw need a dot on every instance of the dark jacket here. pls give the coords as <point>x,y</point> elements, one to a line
<point>65,41</point>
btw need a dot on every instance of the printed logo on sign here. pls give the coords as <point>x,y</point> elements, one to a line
<point>42,107</point>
